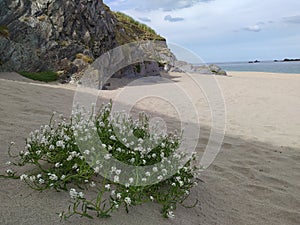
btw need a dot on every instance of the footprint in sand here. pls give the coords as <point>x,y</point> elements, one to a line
<point>226,145</point>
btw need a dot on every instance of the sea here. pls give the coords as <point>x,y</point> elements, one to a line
<point>264,66</point>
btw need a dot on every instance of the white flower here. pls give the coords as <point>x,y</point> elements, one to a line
<point>107,186</point>
<point>112,137</point>
<point>97,169</point>
<point>153,155</point>
<point>173,184</point>
<point>87,152</point>
<point>109,148</point>
<point>151,198</point>
<point>63,177</point>
<point>69,158</point>
<point>132,160</point>
<point>38,152</point>
<point>170,214</point>
<point>181,183</point>
<point>80,194</point>
<point>9,171</point>
<point>12,143</point>
<point>92,184</point>
<point>104,145</point>
<point>75,166</point>
<point>23,177</point>
<point>147,174</point>
<point>127,200</point>
<point>53,177</point>
<point>60,144</point>
<point>131,180</point>
<point>73,193</point>
<point>28,146</point>
<point>164,172</point>
<point>127,185</point>
<point>113,169</point>
<point>155,169</point>
<point>144,179</point>
<point>67,138</point>
<point>107,156</point>
<point>26,153</point>
<point>118,172</point>
<point>113,192</point>
<point>32,178</point>
<point>160,178</point>
<point>119,195</point>
<point>8,163</point>
<point>57,165</point>
<point>116,179</point>
<point>41,181</point>
<point>39,175</point>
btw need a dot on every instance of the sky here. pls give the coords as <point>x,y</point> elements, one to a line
<point>222,30</point>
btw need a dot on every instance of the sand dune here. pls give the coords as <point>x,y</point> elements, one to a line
<point>254,180</point>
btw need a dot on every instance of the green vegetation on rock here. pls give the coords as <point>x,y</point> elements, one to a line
<point>4,31</point>
<point>46,76</point>
<point>129,30</point>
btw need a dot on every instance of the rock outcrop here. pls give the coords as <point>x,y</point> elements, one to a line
<point>43,32</point>
<point>68,35</point>
<point>182,66</point>
<point>50,34</point>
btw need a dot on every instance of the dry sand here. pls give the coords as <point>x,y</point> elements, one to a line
<point>254,180</point>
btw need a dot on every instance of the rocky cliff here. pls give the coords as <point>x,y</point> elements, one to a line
<point>62,35</point>
<point>68,35</point>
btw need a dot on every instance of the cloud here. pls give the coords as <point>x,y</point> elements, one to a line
<point>173,19</point>
<point>253,28</point>
<point>145,19</point>
<point>292,19</point>
<point>165,5</point>
<point>208,27</point>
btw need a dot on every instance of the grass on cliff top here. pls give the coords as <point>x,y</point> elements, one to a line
<point>45,76</point>
<point>134,30</point>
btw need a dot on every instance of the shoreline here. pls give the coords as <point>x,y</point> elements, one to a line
<point>262,73</point>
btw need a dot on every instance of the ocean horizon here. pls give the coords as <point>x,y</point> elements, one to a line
<point>263,66</point>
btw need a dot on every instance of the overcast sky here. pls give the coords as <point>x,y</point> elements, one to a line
<point>223,30</point>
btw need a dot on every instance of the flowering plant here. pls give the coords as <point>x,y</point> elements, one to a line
<point>62,162</point>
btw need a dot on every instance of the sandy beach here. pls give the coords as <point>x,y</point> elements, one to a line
<point>255,178</point>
